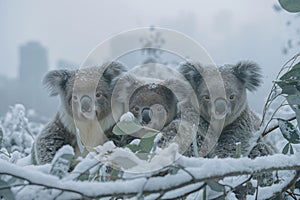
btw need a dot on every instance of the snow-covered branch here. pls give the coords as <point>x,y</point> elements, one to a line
<point>191,175</point>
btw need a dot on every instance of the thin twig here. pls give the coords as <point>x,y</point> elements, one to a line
<point>276,126</point>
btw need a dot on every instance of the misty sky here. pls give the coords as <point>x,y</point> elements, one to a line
<point>230,30</point>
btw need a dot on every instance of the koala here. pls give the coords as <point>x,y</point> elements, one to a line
<point>223,105</point>
<point>160,105</point>
<point>85,107</point>
<point>239,122</point>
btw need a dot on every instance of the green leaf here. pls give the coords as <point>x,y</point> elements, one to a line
<point>1,136</point>
<point>288,87</point>
<point>146,143</point>
<point>290,81</point>
<point>289,131</point>
<point>238,150</point>
<point>150,134</point>
<point>292,74</point>
<point>127,127</point>
<point>286,148</point>
<point>290,5</point>
<point>5,193</point>
<point>294,102</point>
<point>297,184</point>
<point>291,149</point>
<point>133,147</point>
<point>215,186</point>
<point>61,165</point>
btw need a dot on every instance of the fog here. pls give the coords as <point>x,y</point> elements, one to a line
<point>68,30</point>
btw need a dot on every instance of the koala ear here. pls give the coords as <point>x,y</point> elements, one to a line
<point>113,70</point>
<point>55,80</point>
<point>178,87</point>
<point>249,73</point>
<point>192,73</point>
<point>125,86</point>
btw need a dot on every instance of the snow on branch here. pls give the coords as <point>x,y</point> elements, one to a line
<point>190,175</point>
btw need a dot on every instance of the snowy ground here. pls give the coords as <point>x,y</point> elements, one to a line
<point>166,175</point>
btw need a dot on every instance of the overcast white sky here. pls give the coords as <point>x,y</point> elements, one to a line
<point>230,30</point>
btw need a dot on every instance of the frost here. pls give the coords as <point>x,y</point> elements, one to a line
<point>109,170</point>
<point>18,132</point>
<point>127,117</point>
<point>152,85</point>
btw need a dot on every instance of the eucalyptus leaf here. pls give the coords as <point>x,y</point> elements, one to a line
<point>127,127</point>
<point>291,150</point>
<point>61,165</point>
<point>290,5</point>
<point>6,192</point>
<point>293,74</point>
<point>289,87</point>
<point>150,134</point>
<point>133,147</point>
<point>289,82</point>
<point>1,136</point>
<point>294,102</point>
<point>215,186</point>
<point>289,131</point>
<point>297,184</point>
<point>286,148</point>
<point>147,143</point>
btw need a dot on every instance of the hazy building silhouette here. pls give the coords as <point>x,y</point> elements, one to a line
<point>33,62</point>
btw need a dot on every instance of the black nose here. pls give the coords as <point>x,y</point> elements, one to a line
<point>146,115</point>
<point>86,103</point>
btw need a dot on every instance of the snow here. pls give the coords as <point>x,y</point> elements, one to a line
<point>161,170</point>
<point>127,117</point>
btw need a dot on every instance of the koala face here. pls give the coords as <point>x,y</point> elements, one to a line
<point>84,93</point>
<point>154,105</point>
<point>236,79</point>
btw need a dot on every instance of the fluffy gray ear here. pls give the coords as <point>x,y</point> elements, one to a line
<point>113,70</point>
<point>125,86</point>
<point>55,80</point>
<point>249,73</point>
<point>192,73</point>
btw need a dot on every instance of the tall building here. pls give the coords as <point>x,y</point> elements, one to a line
<point>33,62</point>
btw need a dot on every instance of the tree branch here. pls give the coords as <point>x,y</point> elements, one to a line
<point>201,169</point>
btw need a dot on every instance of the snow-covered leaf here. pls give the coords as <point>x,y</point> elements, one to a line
<point>289,82</point>
<point>294,73</point>
<point>5,192</point>
<point>289,131</point>
<point>127,117</point>
<point>215,186</point>
<point>290,5</point>
<point>297,184</point>
<point>1,136</point>
<point>286,148</point>
<point>127,127</point>
<point>294,102</point>
<point>62,161</point>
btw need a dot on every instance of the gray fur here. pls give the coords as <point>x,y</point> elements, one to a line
<point>173,95</point>
<point>240,122</point>
<point>68,84</point>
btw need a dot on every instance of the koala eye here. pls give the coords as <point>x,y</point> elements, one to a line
<point>98,95</point>
<point>206,97</point>
<point>232,97</point>
<point>136,109</point>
